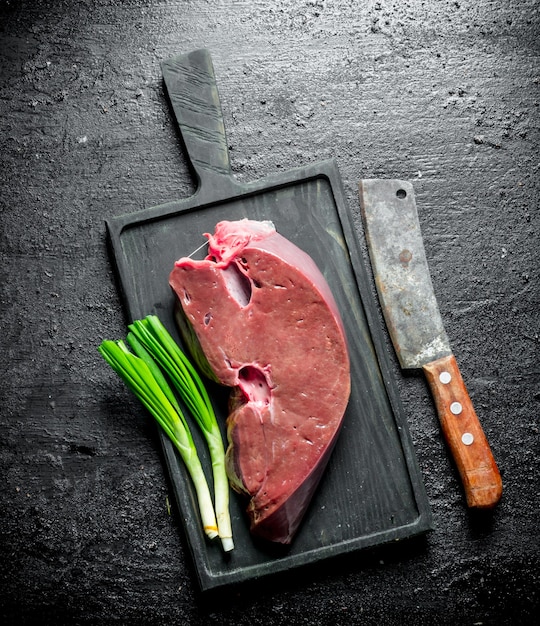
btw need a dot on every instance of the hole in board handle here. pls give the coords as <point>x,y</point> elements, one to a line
<point>401,193</point>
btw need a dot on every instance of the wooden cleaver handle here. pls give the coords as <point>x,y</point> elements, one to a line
<point>463,433</point>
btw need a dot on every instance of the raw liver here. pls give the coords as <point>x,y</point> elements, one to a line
<point>268,327</point>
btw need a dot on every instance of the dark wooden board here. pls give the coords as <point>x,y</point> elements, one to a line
<point>372,492</point>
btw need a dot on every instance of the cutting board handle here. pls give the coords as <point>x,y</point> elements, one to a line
<point>191,86</point>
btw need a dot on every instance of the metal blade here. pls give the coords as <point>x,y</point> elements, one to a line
<point>401,272</point>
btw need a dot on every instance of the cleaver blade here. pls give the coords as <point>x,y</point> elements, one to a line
<point>416,328</point>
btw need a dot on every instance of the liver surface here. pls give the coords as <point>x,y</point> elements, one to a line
<point>264,317</point>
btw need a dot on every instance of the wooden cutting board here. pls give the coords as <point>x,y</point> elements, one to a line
<point>372,492</point>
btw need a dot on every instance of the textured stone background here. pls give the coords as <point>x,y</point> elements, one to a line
<point>443,93</point>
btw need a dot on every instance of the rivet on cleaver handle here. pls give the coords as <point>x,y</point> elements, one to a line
<point>415,325</point>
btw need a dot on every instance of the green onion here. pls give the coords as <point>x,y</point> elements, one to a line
<point>144,378</point>
<point>150,333</point>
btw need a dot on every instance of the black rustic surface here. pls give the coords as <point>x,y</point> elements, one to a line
<point>445,94</point>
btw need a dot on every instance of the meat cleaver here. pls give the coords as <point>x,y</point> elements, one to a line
<point>415,326</point>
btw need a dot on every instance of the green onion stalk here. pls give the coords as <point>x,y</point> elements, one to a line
<point>141,374</point>
<point>155,338</point>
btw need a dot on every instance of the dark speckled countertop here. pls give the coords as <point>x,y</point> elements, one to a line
<point>444,94</point>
